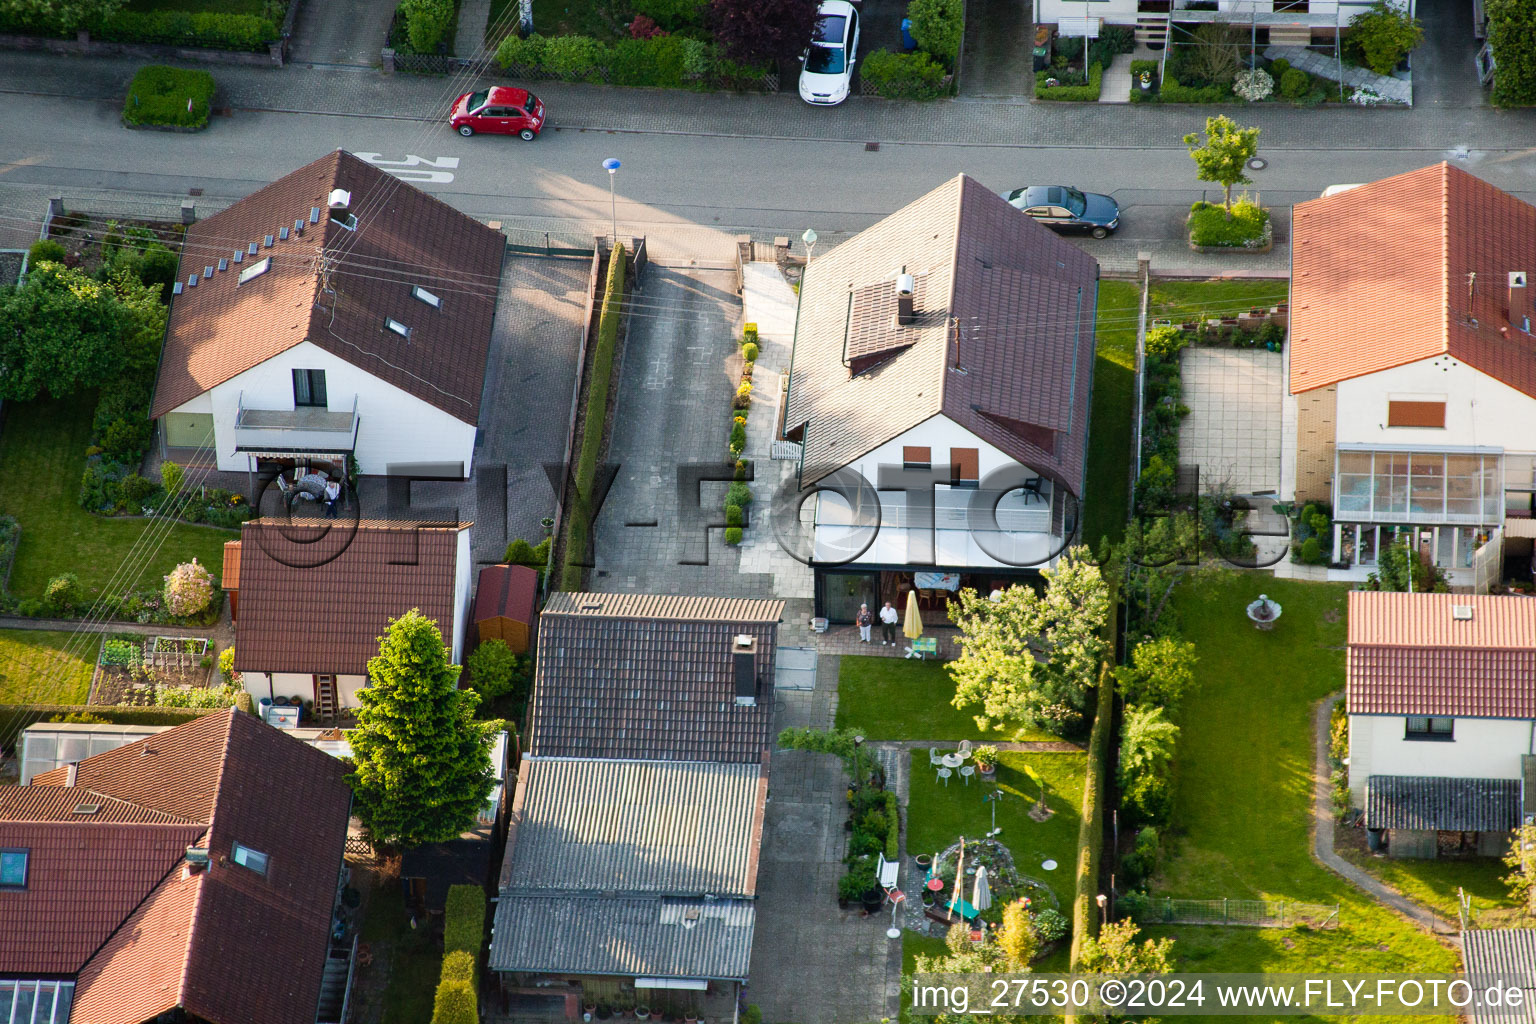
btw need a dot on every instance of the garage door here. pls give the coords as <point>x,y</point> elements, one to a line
<point>188,429</point>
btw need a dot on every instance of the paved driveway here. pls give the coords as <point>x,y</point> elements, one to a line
<point>341,32</point>
<point>1232,431</point>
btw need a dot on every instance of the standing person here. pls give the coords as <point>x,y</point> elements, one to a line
<point>865,621</point>
<point>888,620</point>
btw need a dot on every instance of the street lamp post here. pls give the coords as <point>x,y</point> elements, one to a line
<point>809,238</point>
<point>612,167</point>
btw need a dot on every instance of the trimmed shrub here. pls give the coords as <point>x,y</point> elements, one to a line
<point>903,76</point>
<point>577,58</point>
<point>189,28</point>
<point>519,552</point>
<point>1249,227</point>
<point>63,592</point>
<point>1173,92</point>
<point>738,494</point>
<point>227,665</point>
<point>531,52</point>
<point>938,26</point>
<point>493,669</point>
<point>244,703</point>
<point>1074,93</point>
<point>1050,925</point>
<point>464,920</point>
<point>171,476</point>
<point>426,23</point>
<point>733,516</point>
<point>1294,83</point>
<point>455,1003</point>
<point>733,535</point>
<point>135,488</point>
<point>749,352</point>
<point>45,250</point>
<point>459,966</point>
<point>161,95</point>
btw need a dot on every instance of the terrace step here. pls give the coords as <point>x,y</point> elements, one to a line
<point>1151,30</point>
<point>1290,35</point>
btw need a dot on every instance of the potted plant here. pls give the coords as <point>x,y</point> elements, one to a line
<point>873,899</point>
<point>924,861</point>
<point>986,760</point>
<point>642,1012</point>
<point>604,1011</point>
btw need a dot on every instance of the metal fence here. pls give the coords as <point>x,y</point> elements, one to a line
<point>1238,913</point>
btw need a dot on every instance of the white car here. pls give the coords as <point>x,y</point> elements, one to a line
<point>827,71</point>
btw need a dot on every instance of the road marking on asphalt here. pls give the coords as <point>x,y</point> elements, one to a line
<point>658,377</point>
<point>403,169</point>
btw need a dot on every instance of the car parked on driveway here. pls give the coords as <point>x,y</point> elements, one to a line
<point>1066,209</point>
<point>499,110</point>
<point>826,72</point>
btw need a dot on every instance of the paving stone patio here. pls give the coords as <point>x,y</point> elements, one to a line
<point>1232,431</point>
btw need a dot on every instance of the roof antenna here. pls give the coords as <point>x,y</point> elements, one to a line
<point>954,333</point>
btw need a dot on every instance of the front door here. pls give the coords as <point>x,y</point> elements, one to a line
<point>188,429</point>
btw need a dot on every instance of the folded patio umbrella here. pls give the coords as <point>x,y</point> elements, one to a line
<point>913,627</point>
<point>981,894</point>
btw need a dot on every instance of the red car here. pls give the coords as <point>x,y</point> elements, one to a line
<point>499,110</point>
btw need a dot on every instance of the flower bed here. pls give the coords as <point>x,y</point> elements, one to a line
<point>738,497</point>
<point>661,61</point>
<point>1250,228</point>
<point>156,671</point>
<point>1066,90</point>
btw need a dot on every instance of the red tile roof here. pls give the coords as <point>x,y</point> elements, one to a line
<point>1381,276</point>
<point>326,613</point>
<point>404,238</point>
<point>113,904</point>
<point>507,591</point>
<point>1410,655</point>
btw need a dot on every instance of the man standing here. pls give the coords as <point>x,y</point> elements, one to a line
<point>865,622</point>
<point>888,620</point>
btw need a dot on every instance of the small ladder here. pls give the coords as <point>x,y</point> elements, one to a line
<point>325,698</point>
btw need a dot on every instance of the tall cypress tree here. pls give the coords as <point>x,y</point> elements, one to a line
<point>421,764</point>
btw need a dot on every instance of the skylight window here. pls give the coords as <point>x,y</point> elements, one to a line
<point>246,857</point>
<point>418,292</point>
<point>255,270</point>
<point>390,323</point>
<point>13,869</point>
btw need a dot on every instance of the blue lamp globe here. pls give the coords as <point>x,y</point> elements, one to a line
<point>610,165</point>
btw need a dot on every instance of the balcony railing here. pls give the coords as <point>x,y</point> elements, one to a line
<point>295,431</point>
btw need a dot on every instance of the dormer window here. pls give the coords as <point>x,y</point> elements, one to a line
<point>391,324</point>
<point>246,857</point>
<point>418,292</point>
<point>13,868</point>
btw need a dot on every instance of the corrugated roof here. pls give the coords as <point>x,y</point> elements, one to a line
<point>1410,655</point>
<point>404,238</point>
<point>1501,954</point>
<point>316,598</point>
<point>226,943</point>
<point>1398,286</point>
<point>509,591</point>
<point>1435,803</point>
<point>637,826</point>
<point>613,684</point>
<point>1002,343</point>
<point>636,937</point>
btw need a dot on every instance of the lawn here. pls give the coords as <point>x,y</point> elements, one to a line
<point>1178,300</point>
<point>42,458</point>
<point>411,958</point>
<point>906,699</point>
<point>937,814</point>
<point>1114,406</point>
<point>1243,799</point>
<point>1434,883</point>
<point>45,667</point>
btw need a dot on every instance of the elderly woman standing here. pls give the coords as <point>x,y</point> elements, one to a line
<point>865,621</point>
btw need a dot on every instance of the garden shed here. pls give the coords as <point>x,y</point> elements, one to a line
<point>504,603</point>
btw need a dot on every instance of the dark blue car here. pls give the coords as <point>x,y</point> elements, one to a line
<point>1066,209</point>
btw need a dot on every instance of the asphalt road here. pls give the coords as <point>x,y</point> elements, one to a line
<point>689,192</point>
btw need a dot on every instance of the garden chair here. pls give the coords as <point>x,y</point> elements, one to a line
<point>965,749</point>
<point>944,774</point>
<point>933,757</point>
<point>966,771</point>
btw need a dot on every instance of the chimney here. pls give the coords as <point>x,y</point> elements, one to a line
<point>340,203</point>
<point>744,668</point>
<point>1516,291</point>
<point>197,859</point>
<point>72,774</point>
<point>904,287</point>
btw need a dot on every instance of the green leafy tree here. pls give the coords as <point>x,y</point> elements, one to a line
<point>65,333</point>
<point>1522,857</point>
<point>966,957</point>
<point>1384,35</point>
<point>455,1003</point>
<point>1161,673</point>
<point>938,27</point>
<point>63,592</point>
<point>1017,937</point>
<point>67,15</point>
<point>1031,658</point>
<point>494,670</point>
<point>1512,37</point>
<point>188,589</point>
<point>1116,951</point>
<point>1222,157</point>
<point>1147,745</point>
<point>421,765</point>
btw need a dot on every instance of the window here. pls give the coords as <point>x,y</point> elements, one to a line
<point>13,869</point>
<point>916,457</point>
<point>418,292</point>
<point>390,323</point>
<point>255,270</point>
<point>249,858</point>
<point>1415,414</point>
<point>963,471</point>
<point>309,388</point>
<point>1421,727</point>
<point>477,100</point>
<point>532,103</point>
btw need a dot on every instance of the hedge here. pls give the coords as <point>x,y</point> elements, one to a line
<point>1076,93</point>
<point>455,1003</point>
<point>189,28</point>
<point>464,920</point>
<point>162,95</point>
<point>663,61</point>
<point>426,22</point>
<point>585,479</point>
<point>1173,92</point>
<point>14,718</point>
<point>904,76</point>
<point>1090,830</point>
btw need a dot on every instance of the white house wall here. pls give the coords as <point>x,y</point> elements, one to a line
<point>394,427</point>
<point>1479,410</point>
<point>463,583</point>
<point>1483,748</point>
<point>301,684</point>
<point>1241,12</point>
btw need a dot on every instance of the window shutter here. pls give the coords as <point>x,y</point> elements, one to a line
<point>915,455</point>
<point>963,463</point>
<point>1415,414</point>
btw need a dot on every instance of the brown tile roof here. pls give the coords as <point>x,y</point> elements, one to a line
<point>230,579</point>
<point>1409,655</point>
<point>506,591</point>
<point>650,678</point>
<point>404,237</point>
<point>997,295</point>
<point>326,613</point>
<point>1379,278</point>
<point>226,944</point>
